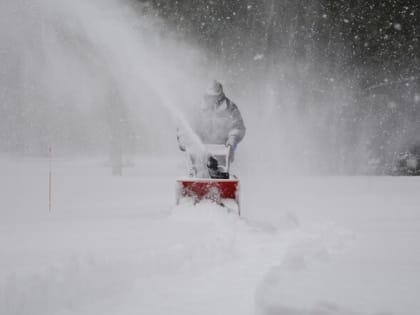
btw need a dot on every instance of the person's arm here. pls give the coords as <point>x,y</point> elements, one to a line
<point>179,138</point>
<point>238,130</point>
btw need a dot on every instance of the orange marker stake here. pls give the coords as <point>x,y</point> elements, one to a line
<point>49,180</point>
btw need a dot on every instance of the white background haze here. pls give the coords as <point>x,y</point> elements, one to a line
<point>79,77</point>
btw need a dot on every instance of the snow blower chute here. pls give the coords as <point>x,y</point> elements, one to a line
<point>217,185</point>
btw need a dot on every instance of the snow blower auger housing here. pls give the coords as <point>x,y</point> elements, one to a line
<point>219,186</point>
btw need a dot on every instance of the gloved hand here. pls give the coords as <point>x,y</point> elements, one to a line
<point>180,137</point>
<point>231,142</point>
<point>181,144</point>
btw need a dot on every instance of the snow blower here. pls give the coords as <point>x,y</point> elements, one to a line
<point>218,185</point>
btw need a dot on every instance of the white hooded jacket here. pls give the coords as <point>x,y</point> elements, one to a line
<point>219,123</point>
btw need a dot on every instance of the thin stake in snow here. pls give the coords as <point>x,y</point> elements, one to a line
<point>50,179</point>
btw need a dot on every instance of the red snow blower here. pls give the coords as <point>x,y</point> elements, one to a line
<point>218,185</point>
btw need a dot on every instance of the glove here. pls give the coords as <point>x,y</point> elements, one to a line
<point>231,142</point>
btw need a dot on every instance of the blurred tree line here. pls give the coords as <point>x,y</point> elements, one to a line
<point>318,47</point>
<point>348,35</point>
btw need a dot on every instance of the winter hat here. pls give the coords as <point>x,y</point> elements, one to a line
<point>215,89</point>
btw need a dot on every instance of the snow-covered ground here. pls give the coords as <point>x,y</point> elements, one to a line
<point>117,245</point>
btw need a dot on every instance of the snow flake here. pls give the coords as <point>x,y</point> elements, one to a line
<point>258,57</point>
<point>392,105</point>
<point>397,26</point>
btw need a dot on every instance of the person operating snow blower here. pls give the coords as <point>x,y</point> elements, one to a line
<point>210,143</point>
<point>217,122</point>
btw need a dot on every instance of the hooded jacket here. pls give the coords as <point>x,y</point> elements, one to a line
<point>219,123</point>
